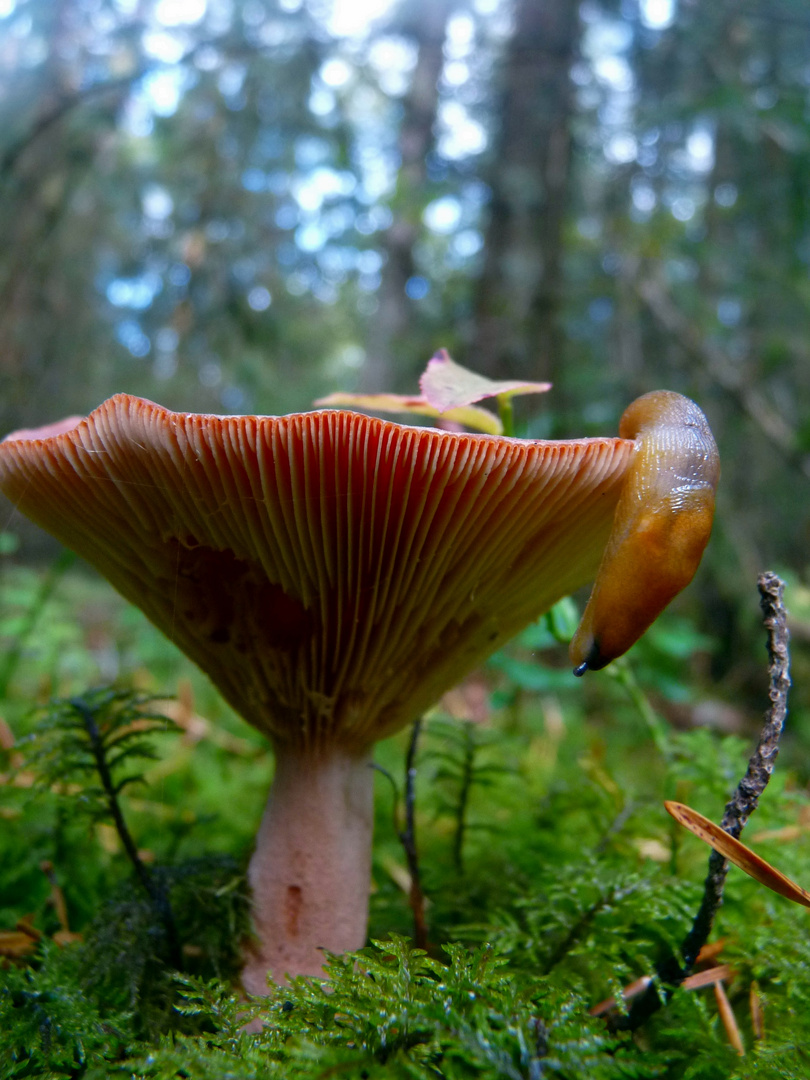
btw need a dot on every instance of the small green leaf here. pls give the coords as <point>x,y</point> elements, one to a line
<point>9,542</point>
<point>563,620</point>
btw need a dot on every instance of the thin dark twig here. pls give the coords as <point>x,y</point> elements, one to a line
<point>761,764</point>
<point>615,827</point>
<point>541,1046</point>
<point>155,892</point>
<point>62,108</point>
<point>742,804</point>
<point>70,103</point>
<point>464,797</point>
<point>579,928</point>
<point>407,837</point>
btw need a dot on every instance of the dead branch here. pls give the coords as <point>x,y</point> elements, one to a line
<point>672,973</point>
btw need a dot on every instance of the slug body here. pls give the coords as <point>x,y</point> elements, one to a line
<point>661,527</point>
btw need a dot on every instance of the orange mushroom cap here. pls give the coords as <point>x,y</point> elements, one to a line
<point>332,573</point>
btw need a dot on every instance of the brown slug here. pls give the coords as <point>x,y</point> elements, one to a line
<point>661,526</point>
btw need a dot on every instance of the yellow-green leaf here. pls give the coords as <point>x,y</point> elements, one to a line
<point>468,415</point>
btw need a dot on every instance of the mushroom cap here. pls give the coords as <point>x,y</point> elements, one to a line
<point>332,573</point>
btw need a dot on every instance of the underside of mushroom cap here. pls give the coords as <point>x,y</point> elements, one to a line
<point>332,573</point>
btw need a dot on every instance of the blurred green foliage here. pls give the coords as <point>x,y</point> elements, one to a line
<point>238,207</point>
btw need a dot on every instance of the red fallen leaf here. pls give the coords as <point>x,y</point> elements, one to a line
<point>447,385</point>
<point>449,391</point>
<point>754,865</point>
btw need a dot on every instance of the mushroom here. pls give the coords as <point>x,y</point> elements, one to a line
<point>333,574</point>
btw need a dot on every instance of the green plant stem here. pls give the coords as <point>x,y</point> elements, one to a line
<point>506,413</point>
<point>407,837</point>
<point>561,950</point>
<point>154,891</point>
<point>657,729</point>
<point>464,798</point>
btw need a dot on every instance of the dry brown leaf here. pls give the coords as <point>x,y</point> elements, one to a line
<point>651,848</point>
<point>26,926</point>
<point>66,937</point>
<point>108,838</point>
<point>708,977</point>
<point>15,944</point>
<point>728,1019</point>
<point>469,701</point>
<point>710,950</point>
<point>787,835</point>
<point>757,1013</point>
<point>398,874</point>
<point>19,779</point>
<point>57,897</point>
<point>743,857</point>
<point>196,727</point>
<point>693,982</point>
<point>6,736</point>
<point>629,992</point>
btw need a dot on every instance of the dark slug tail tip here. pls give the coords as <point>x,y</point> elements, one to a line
<point>594,660</point>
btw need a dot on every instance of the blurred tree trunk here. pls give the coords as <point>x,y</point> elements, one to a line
<point>389,338</point>
<point>43,163</point>
<point>518,298</point>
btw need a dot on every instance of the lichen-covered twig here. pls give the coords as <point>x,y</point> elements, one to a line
<point>761,763</point>
<point>742,804</point>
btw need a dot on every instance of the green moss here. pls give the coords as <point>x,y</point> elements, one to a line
<point>554,878</point>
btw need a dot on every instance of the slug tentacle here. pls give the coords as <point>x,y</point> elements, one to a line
<point>661,527</point>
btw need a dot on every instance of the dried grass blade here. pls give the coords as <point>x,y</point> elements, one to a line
<point>728,1018</point>
<point>710,977</point>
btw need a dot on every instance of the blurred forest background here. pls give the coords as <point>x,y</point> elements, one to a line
<point>242,205</point>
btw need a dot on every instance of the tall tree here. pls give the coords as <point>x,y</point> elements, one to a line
<point>519,293</point>
<point>390,339</point>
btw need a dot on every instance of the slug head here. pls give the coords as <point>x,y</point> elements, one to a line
<point>660,529</point>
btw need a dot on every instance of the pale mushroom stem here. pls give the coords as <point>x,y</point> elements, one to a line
<point>311,869</point>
